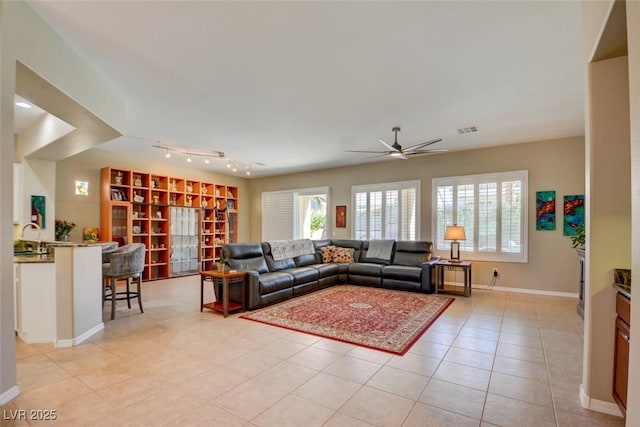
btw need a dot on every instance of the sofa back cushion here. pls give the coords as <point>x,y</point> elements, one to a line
<point>365,258</point>
<point>245,256</point>
<point>274,265</point>
<point>303,260</point>
<point>412,253</point>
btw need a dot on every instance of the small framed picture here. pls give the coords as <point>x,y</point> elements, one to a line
<point>341,216</point>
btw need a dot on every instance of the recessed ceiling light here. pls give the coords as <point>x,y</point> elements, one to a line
<point>23,104</point>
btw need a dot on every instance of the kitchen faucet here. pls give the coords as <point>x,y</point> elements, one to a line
<point>33,225</point>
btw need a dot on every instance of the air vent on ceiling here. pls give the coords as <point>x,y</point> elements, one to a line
<point>470,129</point>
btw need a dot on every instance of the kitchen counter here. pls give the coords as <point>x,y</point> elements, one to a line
<point>39,258</point>
<point>50,257</point>
<point>58,296</point>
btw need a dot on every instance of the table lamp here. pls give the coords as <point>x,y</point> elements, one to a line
<point>455,232</point>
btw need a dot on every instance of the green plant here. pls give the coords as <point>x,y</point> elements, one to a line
<point>578,240</point>
<point>63,227</point>
<point>223,260</point>
<point>317,221</point>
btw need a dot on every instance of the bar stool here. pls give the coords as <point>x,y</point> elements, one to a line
<point>126,262</point>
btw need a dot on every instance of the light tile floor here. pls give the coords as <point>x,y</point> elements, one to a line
<point>494,359</point>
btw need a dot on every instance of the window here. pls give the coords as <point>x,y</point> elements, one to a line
<point>295,214</point>
<point>386,211</point>
<point>493,210</point>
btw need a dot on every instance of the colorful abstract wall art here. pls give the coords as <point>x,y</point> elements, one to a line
<point>573,214</point>
<point>545,210</point>
<point>38,211</point>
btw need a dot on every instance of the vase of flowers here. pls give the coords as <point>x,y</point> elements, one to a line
<point>63,228</point>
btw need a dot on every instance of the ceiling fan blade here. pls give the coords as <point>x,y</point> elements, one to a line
<point>434,150</point>
<point>422,145</point>
<point>360,151</point>
<point>374,157</point>
<point>391,148</point>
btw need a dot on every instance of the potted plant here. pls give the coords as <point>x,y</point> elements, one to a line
<point>221,263</point>
<point>63,228</point>
<point>578,240</point>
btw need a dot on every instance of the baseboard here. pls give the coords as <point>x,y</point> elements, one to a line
<point>587,402</point>
<point>10,394</point>
<point>80,338</point>
<point>518,290</point>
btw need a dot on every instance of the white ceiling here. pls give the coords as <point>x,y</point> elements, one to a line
<point>295,84</point>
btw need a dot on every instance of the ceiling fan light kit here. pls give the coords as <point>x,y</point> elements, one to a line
<point>396,151</point>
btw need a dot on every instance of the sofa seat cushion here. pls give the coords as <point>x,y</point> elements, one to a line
<point>303,274</point>
<point>365,269</point>
<point>326,270</point>
<point>272,282</point>
<point>401,272</point>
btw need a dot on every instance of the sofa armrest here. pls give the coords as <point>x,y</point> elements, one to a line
<point>428,276</point>
<point>252,289</point>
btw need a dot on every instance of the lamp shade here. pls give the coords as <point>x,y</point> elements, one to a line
<point>454,232</point>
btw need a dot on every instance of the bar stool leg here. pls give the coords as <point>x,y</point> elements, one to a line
<point>139,278</point>
<point>113,298</point>
<point>128,295</point>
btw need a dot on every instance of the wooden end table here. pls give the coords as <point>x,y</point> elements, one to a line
<point>224,279</point>
<point>463,266</point>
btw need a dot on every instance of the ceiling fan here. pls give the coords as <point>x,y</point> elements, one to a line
<point>398,152</point>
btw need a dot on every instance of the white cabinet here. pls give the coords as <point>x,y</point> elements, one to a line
<point>36,302</point>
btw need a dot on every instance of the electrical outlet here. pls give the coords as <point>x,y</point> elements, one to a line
<point>495,272</point>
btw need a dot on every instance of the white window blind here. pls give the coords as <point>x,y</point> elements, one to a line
<point>493,210</point>
<point>289,214</point>
<point>386,211</point>
<point>277,215</point>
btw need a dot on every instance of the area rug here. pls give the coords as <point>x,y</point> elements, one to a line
<point>381,319</point>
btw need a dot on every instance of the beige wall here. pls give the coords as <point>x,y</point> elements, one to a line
<point>85,210</point>
<point>608,215</point>
<point>24,36</point>
<point>633,48</point>
<point>553,165</point>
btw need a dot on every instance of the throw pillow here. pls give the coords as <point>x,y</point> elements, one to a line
<point>327,253</point>
<point>343,254</point>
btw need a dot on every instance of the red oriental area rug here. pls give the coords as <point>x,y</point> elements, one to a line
<point>381,319</point>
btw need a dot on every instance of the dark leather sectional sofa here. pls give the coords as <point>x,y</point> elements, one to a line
<point>410,268</point>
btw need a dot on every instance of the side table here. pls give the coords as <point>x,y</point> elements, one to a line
<point>224,279</point>
<point>463,266</point>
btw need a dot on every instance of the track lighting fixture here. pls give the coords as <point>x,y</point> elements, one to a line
<point>234,165</point>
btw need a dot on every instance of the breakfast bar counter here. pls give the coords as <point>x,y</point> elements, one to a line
<point>58,294</point>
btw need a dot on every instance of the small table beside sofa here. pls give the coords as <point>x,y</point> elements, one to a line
<point>273,277</point>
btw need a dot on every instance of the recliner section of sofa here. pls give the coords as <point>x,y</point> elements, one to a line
<point>270,281</point>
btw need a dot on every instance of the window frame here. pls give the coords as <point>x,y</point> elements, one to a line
<point>476,180</point>
<point>382,187</point>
